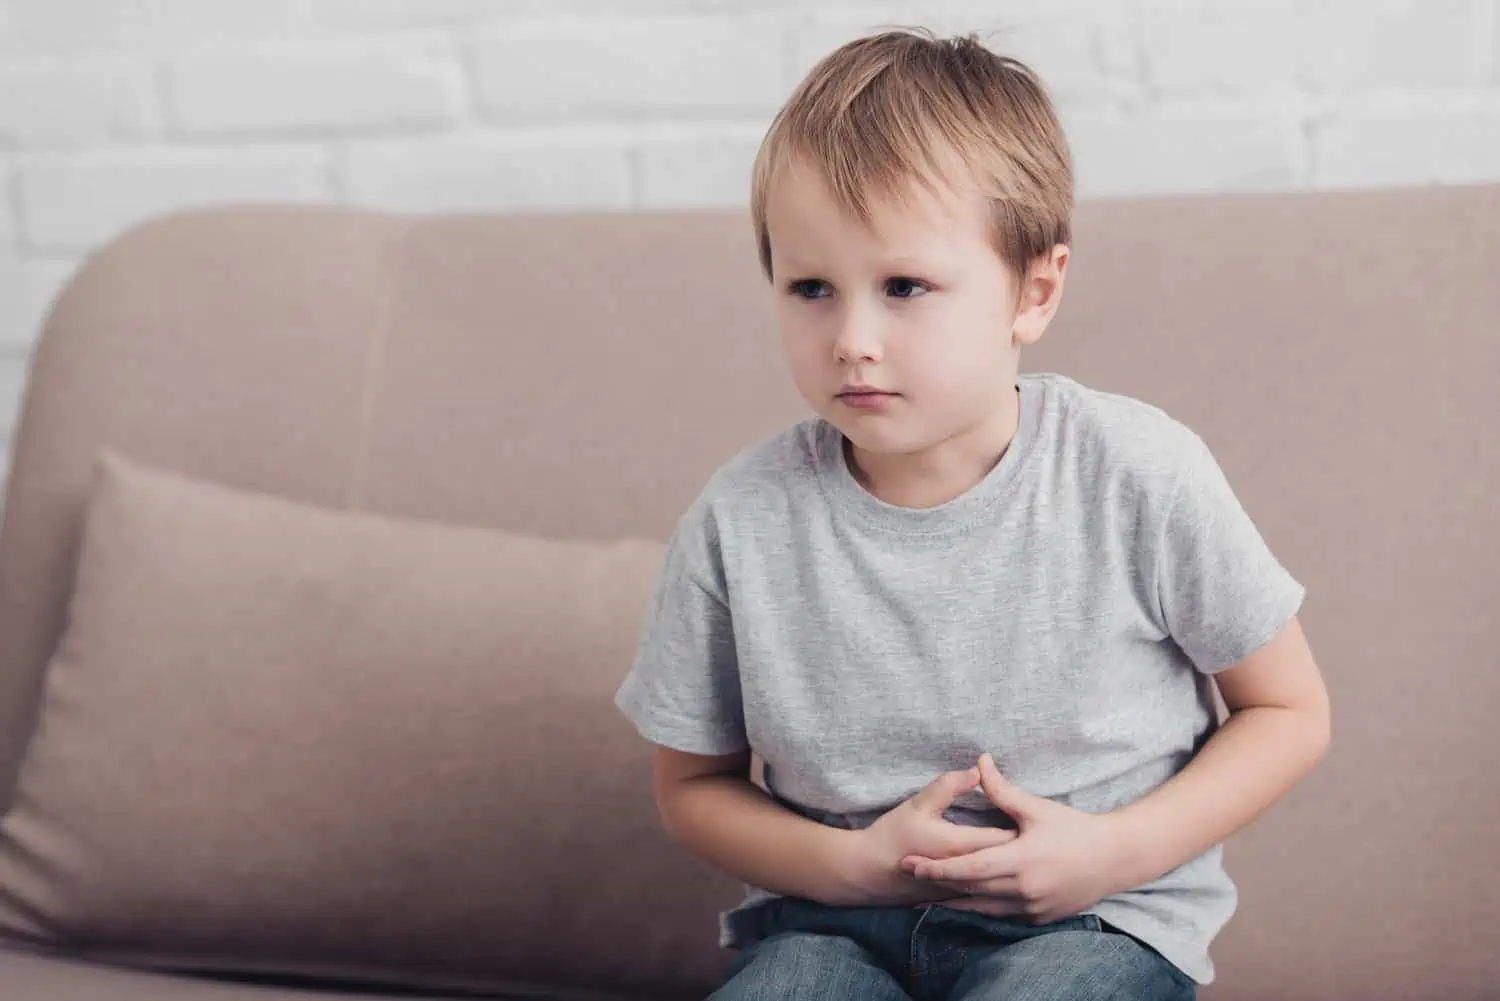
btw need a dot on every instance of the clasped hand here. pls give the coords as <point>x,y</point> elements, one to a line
<point>1058,863</point>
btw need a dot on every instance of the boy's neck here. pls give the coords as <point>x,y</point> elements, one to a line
<point>943,472</point>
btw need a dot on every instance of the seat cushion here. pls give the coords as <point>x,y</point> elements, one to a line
<point>280,739</point>
<point>26,977</point>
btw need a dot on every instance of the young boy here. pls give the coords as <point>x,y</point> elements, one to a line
<point>970,621</point>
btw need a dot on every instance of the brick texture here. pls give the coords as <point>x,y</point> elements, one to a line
<point>76,203</point>
<point>1219,50</point>
<point>1183,151</point>
<point>318,89</point>
<point>1410,45</point>
<point>542,171</point>
<point>1437,145</point>
<point>47,105</point>
<point>683,167</point>
<point>646,67</point>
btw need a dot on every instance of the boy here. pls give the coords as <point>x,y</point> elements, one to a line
<point>970,621</point>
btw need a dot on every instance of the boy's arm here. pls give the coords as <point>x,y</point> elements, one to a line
<point>710,806</point>
<point>1221,591</point>
<point>712,809</point>
<point>1278,729</point>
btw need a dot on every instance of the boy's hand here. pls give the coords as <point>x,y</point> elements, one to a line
<point>1063,862</point>
<point>917,828</point>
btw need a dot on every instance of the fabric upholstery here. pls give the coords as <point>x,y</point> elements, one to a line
<point>284,739</point>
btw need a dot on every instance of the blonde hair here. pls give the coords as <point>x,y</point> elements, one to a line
<point>882,112</point>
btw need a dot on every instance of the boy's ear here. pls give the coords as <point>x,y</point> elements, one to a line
<point>1040,294</point>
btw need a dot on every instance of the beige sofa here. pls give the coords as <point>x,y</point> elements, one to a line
<point>576,378</point>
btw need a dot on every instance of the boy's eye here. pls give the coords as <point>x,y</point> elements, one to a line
<point>905,288</point>
<point>809,288</point>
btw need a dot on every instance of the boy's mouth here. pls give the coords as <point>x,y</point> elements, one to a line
<point>866,397</point>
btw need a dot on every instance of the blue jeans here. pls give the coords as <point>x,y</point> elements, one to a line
<point>797,950</point>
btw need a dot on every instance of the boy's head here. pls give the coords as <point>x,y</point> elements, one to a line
<point>912,207</point>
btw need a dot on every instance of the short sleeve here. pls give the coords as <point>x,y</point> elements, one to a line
<point>683,690</point>
<point>1223,593</point>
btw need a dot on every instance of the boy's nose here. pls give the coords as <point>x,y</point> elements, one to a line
<point>856,340</point>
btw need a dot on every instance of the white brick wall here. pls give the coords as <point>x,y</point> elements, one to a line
<point>1237,52</point>
<point>112,111</point>
<point>70,203</point>
<point>709,67</point>
<point>686,165</point>
<point>1189,149</point>
<point>1426,45</point>
<point>538,168</point>
<point>72,27</point>
<point>50,105</point>
<point>1454,145</point>
<point>318,89</point>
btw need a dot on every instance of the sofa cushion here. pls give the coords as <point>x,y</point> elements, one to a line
<point>44,978</point>
<point>281,739</point>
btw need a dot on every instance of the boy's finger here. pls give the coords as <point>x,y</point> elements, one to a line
<point>1004,886</point>
<point>990,863</point>
<point>1011,798</point>
<point>940,793</point>
<point>957,839</point>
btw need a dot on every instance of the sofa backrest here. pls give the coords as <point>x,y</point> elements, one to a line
<point>581,375</point>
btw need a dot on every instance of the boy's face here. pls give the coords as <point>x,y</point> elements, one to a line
<point>904,333</point>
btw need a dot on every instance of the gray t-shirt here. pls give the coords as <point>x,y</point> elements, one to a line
<point>1064,614</point>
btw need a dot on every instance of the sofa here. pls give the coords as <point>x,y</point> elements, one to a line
<point>328,531</point>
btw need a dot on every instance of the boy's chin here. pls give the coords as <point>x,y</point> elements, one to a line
<point>884,438</point>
